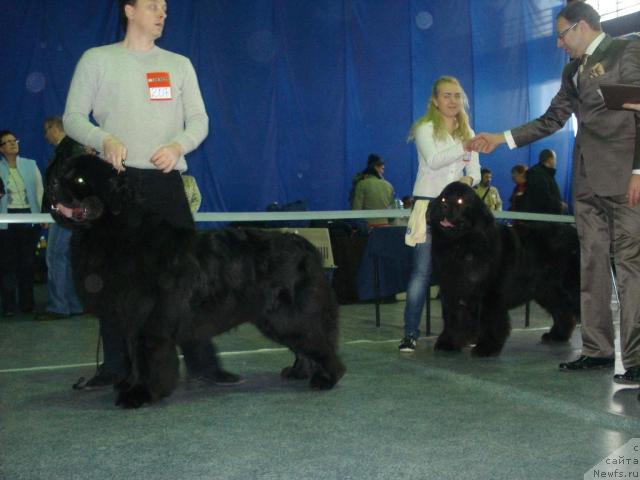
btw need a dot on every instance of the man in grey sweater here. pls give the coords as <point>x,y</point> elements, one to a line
<point>149,113</point>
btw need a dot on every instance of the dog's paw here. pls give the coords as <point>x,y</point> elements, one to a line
<point>293,373</point>
<point>322,381</point>
<point>302,368</point>
<point>445,345</point>
<point>135,397</point>
<point>123,385</point>
<point>481,350</point>
<point>550,337</point>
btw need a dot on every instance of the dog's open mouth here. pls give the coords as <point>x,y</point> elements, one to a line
<point>87,210</point>
<point>446,223</point>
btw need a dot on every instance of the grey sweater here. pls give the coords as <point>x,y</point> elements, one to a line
<point>115,85</point>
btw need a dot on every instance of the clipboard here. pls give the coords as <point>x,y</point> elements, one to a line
<point>615,94</point>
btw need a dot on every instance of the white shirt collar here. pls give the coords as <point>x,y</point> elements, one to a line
<point>596,42</point>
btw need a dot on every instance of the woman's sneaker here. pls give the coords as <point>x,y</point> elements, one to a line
<point>408,344</point>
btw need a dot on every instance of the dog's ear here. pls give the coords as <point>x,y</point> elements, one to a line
<point>481,213</point>
<point>433,210</point>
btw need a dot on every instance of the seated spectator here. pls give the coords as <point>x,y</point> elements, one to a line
<point>193,192</point>
<point>518,175</point>
<point>542,194</point>
<point>373,192</point>
<point>23,184</point>
<point>356,178</point>
<point>62,300</point>
<point>487,192</point>
<point>371,160</point>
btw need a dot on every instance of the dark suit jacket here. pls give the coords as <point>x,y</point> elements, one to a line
<point>607,140</point>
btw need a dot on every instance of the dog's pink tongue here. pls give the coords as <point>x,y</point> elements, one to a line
<point>446,223</point>
<point>64,211</point>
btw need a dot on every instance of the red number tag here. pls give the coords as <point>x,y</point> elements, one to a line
<point>159,86</point>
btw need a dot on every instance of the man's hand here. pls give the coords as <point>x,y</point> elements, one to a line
<point>114,152</point>
<point>166,157</point>
<point>631,106</point>
<point>633,193</point>
<point>485,142</point>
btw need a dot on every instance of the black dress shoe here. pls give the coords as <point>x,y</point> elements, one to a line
<point>630,377</point>
<point>101,379</point>
<point>588,363</point>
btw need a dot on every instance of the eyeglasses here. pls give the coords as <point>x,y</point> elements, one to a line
<point>562,34</point>
<point>14,141</point>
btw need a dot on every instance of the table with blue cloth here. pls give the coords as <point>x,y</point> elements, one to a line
<point>385,266</point>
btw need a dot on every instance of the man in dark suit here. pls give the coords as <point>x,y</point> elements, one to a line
<point>606,182</point>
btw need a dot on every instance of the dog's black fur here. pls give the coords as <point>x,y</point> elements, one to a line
<point>485,269</point>
<point>164,286</point>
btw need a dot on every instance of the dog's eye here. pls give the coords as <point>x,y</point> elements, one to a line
<point>80,180</point>
<point>460,201</point>
<point>443,200</point>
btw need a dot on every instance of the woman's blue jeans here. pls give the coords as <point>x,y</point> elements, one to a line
<point>418,288</point>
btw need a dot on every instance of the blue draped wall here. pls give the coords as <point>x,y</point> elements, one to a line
<point>299,92</point>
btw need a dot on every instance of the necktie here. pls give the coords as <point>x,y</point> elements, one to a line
<point>583,62</point>
<point>576,76</point>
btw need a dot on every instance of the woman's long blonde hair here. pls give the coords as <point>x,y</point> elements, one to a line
<point>462,131</point>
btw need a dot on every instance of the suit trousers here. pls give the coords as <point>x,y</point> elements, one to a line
<point>607,226</point>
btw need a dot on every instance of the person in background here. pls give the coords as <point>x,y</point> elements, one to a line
<point>542,194</point>
<point>373,192</point>
<point>62,300</point>
<point>439,136</point>
<point>487,192</point>
<point>519,177</point>
<point>373,158</point>
<point>193,192</point>
<point>23,194</point>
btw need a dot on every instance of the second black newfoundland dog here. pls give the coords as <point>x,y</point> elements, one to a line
<point>486,268</point>
<point>163,285</point>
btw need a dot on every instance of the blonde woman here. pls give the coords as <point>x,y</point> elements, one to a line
<point>440,137</point>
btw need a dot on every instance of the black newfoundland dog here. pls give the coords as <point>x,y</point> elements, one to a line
<point>163,286</point>
<point>486,268</point>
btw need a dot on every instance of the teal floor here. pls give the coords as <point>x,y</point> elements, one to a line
<point>425,415</point>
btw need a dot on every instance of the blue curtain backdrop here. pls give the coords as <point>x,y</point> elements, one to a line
<point>299,92</point>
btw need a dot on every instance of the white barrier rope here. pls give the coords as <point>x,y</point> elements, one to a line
<point>317,215</point>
